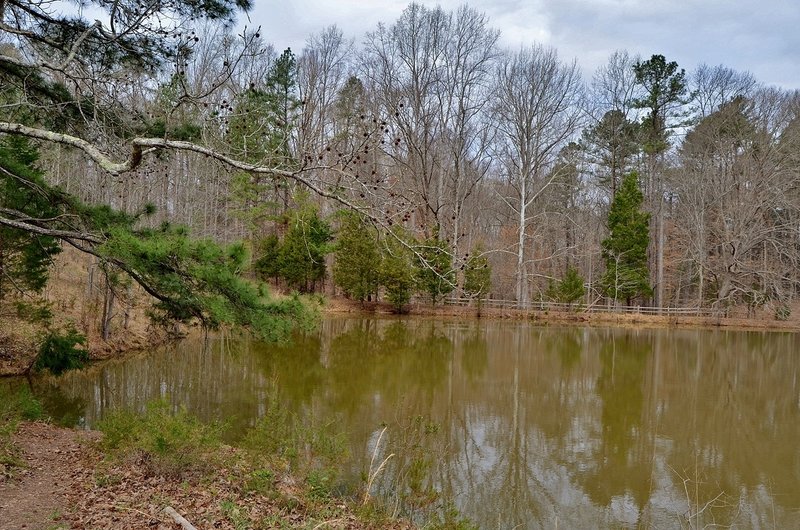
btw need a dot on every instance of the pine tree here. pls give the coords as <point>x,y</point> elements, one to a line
<point>435,275</point>
<point>625,249</point>
<point>477,274</point>
<point>665,89</point>
<point>397,271</point>
<point>189,279</point>
<point>611,144</point>
<point>24,256</point>
<point>301,259</point>
<point>260,131</point>
<point>571,287</point>
<point>269,251</point>
<point>357,264</point>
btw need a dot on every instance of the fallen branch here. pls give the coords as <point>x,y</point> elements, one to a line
<point>178,518</point>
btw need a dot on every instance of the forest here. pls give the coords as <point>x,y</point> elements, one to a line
<point>418,159</point>
<point>163,167</point>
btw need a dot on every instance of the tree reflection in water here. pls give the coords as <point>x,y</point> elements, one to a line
<point>518,425</point>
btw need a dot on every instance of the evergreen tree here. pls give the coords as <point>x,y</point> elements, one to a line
<point>198,279</point>
<point>301,259</point>
<point>24,256</point>
<point>570,289</point>
<point>267,265</point>
<point>357,265</point>
<point>264,117</point>
<point>189,279</point>
<point>397,272</point>
<point>283,101</point>
<point>625,249</point>
<point>665,90</point>
<point>477,274</point>
<point>611,144</point>
<point>260,132</point>
<point>435,275</point>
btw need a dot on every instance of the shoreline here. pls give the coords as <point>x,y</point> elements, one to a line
<point>66,478</point>
<point>342,306</point>
<point>16,352</point>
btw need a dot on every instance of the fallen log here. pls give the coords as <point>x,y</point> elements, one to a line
<point>178,518</point>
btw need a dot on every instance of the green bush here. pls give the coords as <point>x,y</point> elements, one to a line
<point>282,435</point>
<point>313,453</point>
<point>15,405</point>
<point>18,404</point>
<point>321,482</point>
<point>166,442</point>
<point>261,481</point>
<point>62,351</point>
<point>37,311</point>
<point>783,313</point>
<point>450,519</point>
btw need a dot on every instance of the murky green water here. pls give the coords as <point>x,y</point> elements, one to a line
<point>522,427</point>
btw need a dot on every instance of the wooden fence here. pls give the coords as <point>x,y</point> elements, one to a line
<point>598,306</point>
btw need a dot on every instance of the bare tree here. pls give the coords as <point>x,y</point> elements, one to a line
<point>737,201</point>
<point>713,86</point>
<point>613,87</point>
<point>322,71</point>
<point>430,74</point>
<point>536,110</point>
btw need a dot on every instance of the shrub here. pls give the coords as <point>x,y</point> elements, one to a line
<point>18,404</point>
<point>15,405</point>
<point>166,442</point>
<point>62,351</point>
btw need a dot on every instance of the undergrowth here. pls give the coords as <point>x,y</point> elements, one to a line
<point>164,441</point>
<point>16,405</point>
<point>292,463</point>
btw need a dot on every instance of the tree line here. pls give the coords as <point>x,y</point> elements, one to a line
<point>642,184</point>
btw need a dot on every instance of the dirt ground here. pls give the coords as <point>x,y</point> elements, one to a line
<point>54,467</point>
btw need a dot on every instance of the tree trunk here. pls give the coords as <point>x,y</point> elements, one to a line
<point>108,311</point>
<point>660,254</point>
<point>522,298</point>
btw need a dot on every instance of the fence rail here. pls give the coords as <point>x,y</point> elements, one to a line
<point>595,307</point>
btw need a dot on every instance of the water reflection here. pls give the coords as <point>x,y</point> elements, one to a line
<point>522,426</point>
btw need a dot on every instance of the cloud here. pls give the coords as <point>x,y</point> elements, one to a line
<point>758,37</point>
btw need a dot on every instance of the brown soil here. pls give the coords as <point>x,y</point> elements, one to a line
<point>54,466</point>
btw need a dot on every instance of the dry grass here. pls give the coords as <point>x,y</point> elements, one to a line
<point>75,294</point>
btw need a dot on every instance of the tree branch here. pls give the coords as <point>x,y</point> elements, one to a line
<point>143,146</point>
<point>61,234</point>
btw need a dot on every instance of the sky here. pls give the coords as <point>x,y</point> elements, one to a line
<point>762,36</point>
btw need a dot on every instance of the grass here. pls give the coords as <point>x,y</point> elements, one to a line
<point>291,465</point>
<point>165,442</point>
<point>173,444</point>
<point>16,405</point>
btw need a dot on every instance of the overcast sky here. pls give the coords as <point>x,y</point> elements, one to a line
<point>762,37</point>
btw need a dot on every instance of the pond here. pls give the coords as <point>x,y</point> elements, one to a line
<point>517,425</point>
